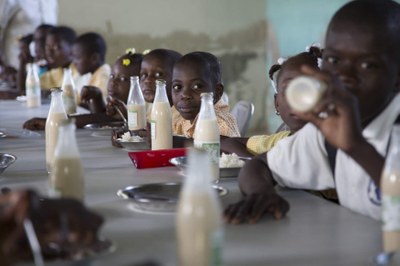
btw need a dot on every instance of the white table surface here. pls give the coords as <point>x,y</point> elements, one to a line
<point>315,232</point>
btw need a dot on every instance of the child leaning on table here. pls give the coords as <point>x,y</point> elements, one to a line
<point>280,74</point>
<point>360,106</point>
<point>193,74</point>
<point>88,55</point>
<point>118,86</point>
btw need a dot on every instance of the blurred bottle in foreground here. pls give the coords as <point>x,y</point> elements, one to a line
<point>66,178</point>
<point>54,118</point>
<point>390,187</point>
<point>199,223</point>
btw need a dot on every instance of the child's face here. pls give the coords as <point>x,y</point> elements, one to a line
<point>281,105</point>
<point>119,82</point>
<point>58,52</point>
<point>188,82</point>
<point>361,60</point>
<point>39,37</point>
<point>153,68</point>
<point>83,61</point>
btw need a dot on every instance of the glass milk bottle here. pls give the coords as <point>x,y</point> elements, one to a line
<point>69,92</point>
<point>54,118</point>
<point>161,119</point>
<point>390,188</point>
<point>199,225</point>
<point>136,106</point>
<point>206,134</point>
<point>32,86</point>
<point>304,92</point>
<point>66,178</point>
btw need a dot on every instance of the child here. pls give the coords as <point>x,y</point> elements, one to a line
<point>88,52</point>
<point>59,55</point>
<point>280,74</point>
<point>118,88</point>
<point>193,74</point>
<point>157,64</point>
<point>362,73</point>
<point>39,47</point>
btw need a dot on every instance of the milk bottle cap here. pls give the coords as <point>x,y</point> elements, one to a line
<point>304,92</point>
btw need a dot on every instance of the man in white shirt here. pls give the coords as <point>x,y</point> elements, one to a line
<point>361,67</point>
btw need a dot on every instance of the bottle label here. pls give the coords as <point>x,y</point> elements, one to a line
<point>153,129</point>
<point>216,252</point>
<point>132,119</point>
<point>391,213</point>
<point>212,148</point>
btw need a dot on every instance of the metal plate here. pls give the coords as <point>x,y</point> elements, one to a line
<point>104,129</point>
<point>6,160</point>
<point>157,197</point>
<point>180,162</point>
<point>134,145</point>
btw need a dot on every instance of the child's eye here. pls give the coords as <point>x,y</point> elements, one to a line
<point>123,79</point>
<point>143,76</point>
<point>331,60</point>
<point>158,74</point>
<point>368,65</point>
<point>176,87</point>
<point>196,87</point>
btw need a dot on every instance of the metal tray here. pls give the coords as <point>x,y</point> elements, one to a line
<point>180,162</point>
<point>157,197</point>
<point>134,145</point>
<point>104,129</point>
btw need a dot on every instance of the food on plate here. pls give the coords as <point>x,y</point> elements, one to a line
<point>230,161</point>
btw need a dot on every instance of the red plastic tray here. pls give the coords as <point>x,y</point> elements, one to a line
<point>156,158</point>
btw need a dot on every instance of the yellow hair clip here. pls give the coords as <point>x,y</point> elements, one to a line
<point>126,62</point>
<point>145,52</point>
<point>130,50</point>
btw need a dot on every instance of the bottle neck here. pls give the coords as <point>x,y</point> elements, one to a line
<point>207,107</point>
<point>135,92</point>
<point>56,104</point>
<point>161,92</point>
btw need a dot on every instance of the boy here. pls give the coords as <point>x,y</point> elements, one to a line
<point>361,64</point>
<point>88,53</point>
<point>59,55</point>
<point>193,74</point>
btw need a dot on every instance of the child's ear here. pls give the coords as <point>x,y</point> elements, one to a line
<point>276,103</point>
<point>219,90</point>
<point>95,58</point>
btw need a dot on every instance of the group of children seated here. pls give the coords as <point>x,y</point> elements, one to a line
<point>342,150</point>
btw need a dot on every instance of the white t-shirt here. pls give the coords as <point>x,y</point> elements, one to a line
<point>300,161</point>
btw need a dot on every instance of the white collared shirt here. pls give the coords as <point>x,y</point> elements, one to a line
<point>300,161</point>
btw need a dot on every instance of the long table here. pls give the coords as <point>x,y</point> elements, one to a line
<point>315,232</point>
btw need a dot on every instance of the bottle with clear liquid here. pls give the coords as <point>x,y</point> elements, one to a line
<point>69,92</point>
<point>66,179</point>
<point>54,118</point>
<point>32,86</point>
<point>206,134</point>
<point>304,92</point>
<point>199,223</point>
<point>161,119</point>
<point>136,106</point>
<point>390,188</point>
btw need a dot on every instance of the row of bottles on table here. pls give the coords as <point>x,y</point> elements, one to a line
<point>199,225</point>
<point>62,154</point>
<point>33,91</point>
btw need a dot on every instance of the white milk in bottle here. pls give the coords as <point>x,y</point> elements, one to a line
<point>66,178</point>
<point>390,187</point>
<point>199,223</point>
<point>161,119</point>
<point>136,106</point>
<point>32,86</point>
<point>69,92</point>
<point>54,118</point>
<point>206,133</point>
